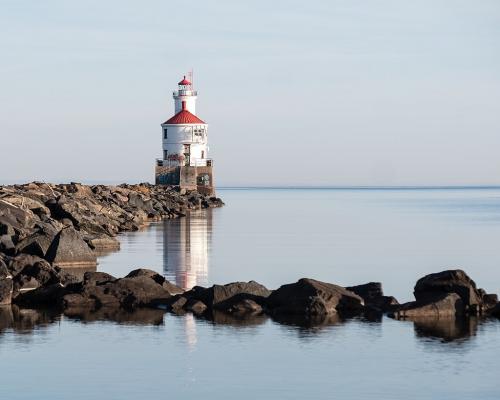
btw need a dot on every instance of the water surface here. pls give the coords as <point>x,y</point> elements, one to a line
<point>275,237</point>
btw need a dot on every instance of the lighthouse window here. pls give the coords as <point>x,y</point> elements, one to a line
<point>165,154</point>
<point>165,133</point>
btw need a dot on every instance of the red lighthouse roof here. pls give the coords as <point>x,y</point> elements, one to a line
<point>184,82</point>
<point>184,117</point>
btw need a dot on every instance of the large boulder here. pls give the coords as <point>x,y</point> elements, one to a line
<point>69,249</point>
<point>449,281</point>
<point>373,296</point>
<point>312,297</point>
<point>160,279</point>
<point>445,294</point>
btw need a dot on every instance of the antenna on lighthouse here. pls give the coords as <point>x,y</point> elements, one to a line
<point>190,75</point>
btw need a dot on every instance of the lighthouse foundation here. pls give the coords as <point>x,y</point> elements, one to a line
<point>188,177</point>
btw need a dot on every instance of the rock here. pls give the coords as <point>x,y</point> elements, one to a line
<point>195,306</point>
<point>49,295</point>
<point>373,296</point>
<point>450,281</point>
<point>217,294</point>
<point>4,271</point>
<point>245,306</point>
<point>311,297</point>
<point>36,244</point>
<point>495,311</point>
<point>160,279</point>
<point>68,249</point>
<point>442,305</point>
<point>94,278</point>
<point>490,301</point>
<point>177,303</point>
<point>7,245</point>
<point>6,289</point>
<point>104,243</point>
<point>148,273</point>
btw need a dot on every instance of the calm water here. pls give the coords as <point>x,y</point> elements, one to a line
<point>275,237</point>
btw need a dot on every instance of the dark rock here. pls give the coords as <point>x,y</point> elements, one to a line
<point>311,297</point>
<point>495,311</point>
<point>7,245</point>
<point>242,303</point>
<point>177,303</point>
<point>68,248</point>
<point>490,301</point>
<point>49,295</point>
<point>134,292</point>
<point>450,281</point>
<point>6,289</point>
<point>4,271</point>
<point>160,279</point>
<point>195,306</point>
<point>36,244</point>
<point>94,278</point>
<point>441,305</point>
<point>216,294</point>
<point>373,296</point>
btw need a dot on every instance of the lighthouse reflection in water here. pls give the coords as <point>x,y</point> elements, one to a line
<point>186,247</point>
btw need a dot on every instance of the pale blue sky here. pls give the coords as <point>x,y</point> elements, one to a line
<point>340,92</point>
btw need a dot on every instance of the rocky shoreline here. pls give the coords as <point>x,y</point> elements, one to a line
<point>44,229</point>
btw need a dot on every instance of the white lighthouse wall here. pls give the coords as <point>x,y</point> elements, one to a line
<point>190,103</point>
<point>180,135</point>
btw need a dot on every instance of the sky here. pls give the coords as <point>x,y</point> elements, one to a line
<point>309,93</point>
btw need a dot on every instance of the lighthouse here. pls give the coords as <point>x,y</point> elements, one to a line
<point>184,160</point>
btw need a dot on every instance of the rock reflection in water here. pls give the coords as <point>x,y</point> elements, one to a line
<point>186,247</point>
<point>309,322</point>
<point>26,320</point>
<point>446,329</point>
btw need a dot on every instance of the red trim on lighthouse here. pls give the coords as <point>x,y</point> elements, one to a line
<point>184,82</point>
<point>183,104</point>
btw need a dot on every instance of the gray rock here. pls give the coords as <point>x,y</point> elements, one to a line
<point>68,248</point>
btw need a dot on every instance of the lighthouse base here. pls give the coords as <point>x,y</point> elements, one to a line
<point>199,178</point>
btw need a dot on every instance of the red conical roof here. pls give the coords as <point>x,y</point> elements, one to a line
<point>184,117</point>
<point>184,82</point>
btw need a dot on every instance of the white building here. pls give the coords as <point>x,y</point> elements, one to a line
<point>185,141</point>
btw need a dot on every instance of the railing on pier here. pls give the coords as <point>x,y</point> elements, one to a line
<point>193,163</point>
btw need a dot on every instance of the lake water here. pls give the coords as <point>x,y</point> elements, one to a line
<point>276,236</point>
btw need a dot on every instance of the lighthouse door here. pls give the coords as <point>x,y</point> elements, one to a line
<point>187,154</point>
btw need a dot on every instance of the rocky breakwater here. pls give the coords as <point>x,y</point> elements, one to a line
<point>46,229</point>
<point>445,300</point>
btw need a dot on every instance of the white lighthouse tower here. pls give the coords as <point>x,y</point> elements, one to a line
<point>185,159</point>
